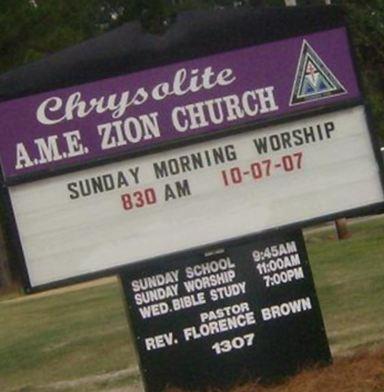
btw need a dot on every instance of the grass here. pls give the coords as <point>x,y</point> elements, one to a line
<point>349,277</point>
<point>84,333</point>
<point>65,336</point>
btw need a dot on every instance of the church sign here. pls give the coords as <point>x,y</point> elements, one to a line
<point>191,175</point>
<point>275,131</point>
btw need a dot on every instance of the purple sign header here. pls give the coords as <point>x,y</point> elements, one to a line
<point>112,116</point>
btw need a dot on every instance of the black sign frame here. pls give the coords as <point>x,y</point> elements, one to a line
<point>314,19</point>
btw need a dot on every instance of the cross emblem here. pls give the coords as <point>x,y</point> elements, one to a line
<point>311,72</point>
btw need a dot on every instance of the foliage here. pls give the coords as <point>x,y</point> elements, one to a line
<point>30,32</point>
<point>366,21</point>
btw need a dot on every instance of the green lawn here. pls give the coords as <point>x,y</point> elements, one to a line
<point>83,333</point>
<point>63,337</point>
<point>349,277</point>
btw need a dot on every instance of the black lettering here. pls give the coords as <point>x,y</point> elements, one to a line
<point>309,134</point>
<point>261,145</point>
<point>108,182</point>
<point>197,161</point>
<point>173,166</point>
<point>230,152</point>
<point>286,140</point>
<point>168,193</point>
<point>275,143</point>
<point>298,137</point>
<point>185,163</point>
<point>218,155</point>
<point>183,188</point>
<point>329,127</point>
<point>73,193</point>
<point>319,131</point>
<point>97,185</point>
<point>85,188</point>
<point>121,180</point>
<point>160,169</point>
<point>177,190</point>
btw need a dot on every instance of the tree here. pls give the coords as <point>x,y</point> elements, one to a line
<point>366,21</point>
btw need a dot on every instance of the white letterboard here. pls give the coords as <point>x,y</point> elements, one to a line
<point>116,214</point>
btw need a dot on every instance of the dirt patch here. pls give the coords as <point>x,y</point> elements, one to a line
<point>363,372</point>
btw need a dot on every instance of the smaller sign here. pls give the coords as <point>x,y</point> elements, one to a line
<point>248,311</point>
